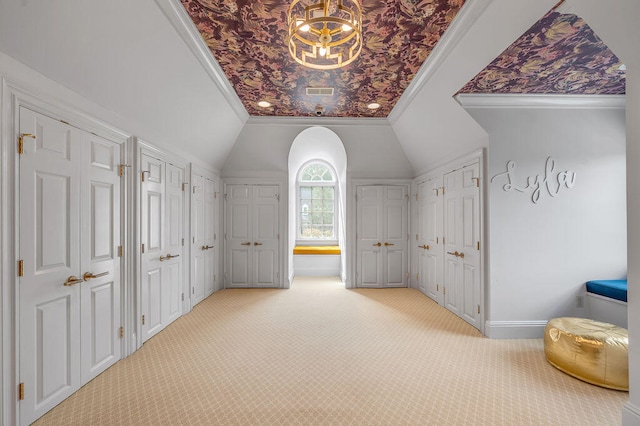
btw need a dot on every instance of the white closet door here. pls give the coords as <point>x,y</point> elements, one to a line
<point>69,293</point>
<point>395,235</point>
<point>382,233</point>
<point>422,224</point>
<point>100,235</point>
<point>462,239</point>
<point>252,240</point>
<point>432,243</point>
<point>198,241</point>
<point>239,235</point>
<point>50,249</point>
<point>265,236</point>
<point>209,237</point>
<point>153,230</point>
<point>173,263</point>
<point>369,236</point>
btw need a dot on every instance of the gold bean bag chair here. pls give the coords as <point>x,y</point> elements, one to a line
<point>595,352</point>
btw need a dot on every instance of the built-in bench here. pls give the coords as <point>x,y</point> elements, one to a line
<point>607,301</point>
<point>316,261</point>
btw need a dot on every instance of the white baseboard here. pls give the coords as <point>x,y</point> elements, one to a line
<point>630,415</point>
<point>514,329</point>
<point>317,272</point>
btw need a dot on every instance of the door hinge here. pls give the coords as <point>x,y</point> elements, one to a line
<point>416,237</point>
<point>477,179</point>
<point>444,290</point>
<point>142,174</point>
<point>194,240</point>
<point>278,197</point>
<point>183,241</point>
<point>121,169</point>
<point>443,190</point>
<point>21,141</point>
<point>437,288</point>
<point>121,332</point>
<point>478,309</point>
<point>437,240</point>
<point>143,320</point>
<point>478,245</point>
<point>143,248</point>
<point>215,237</point>
<point>21,392</point>
<point>183,184</point>
<point>225,197</point>
<point>193,190</point>
<point>443,240</point>
<point>120,251</point>
<point>215,195</point>
<point>21,268</point>
<point>193,290</point>
<point>183,297</point>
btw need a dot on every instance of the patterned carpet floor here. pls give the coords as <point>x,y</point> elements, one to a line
<point>318,354</point>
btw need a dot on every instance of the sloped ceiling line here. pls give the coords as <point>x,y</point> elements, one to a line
<point>180,20</point>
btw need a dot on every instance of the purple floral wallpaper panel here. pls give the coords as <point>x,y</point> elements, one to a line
<point>248,39</point>
<point>559,54</point>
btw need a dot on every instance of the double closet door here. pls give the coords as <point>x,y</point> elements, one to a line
<point>69,238</point>
<point>162,259</point>
<point>252,236</point>
<point>462,243</point>
<point>448,241</point>
<point>203,238</point>
<point>381,236</point>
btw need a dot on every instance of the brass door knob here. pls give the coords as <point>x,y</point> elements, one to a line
<point>72,280</point>
<point>426,247</point>
<point>257,244</point>
<point>388,244</point>
<point>88,275</point>
<point>378,244</point>
<point>245,244</point>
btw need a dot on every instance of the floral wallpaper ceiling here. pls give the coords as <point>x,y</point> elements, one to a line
<point>247,38</point>
<point>559,54</point>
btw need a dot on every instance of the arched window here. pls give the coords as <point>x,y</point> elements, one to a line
<point>316,202</point>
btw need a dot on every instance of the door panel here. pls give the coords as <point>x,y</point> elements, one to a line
<point>172,267</point>
<point>265,235</point>
<point>210,237</point>
<point>198,272</point>
<point>100,296</point>
<point>239,236</point>
<point>153,238</point>
<point>49,324</point>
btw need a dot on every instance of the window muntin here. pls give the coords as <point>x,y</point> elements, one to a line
<point>316,203</point>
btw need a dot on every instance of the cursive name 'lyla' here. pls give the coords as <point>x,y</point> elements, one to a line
<point>548,182</point>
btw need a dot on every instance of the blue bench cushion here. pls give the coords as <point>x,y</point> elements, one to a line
<point>615,289</point>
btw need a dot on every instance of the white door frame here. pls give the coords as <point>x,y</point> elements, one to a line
<point>282,225</point>
<point>351,214</point>
<point>14,96</point>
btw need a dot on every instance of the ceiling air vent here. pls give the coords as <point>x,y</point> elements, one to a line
<point>321,91</point>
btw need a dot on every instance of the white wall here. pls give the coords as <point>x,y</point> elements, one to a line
<point>542,253</point>
<point>262,149</point>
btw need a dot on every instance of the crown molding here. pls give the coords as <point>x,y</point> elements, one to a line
<point>540,101</point>
<point>182,23</point>
<point>316,121</point>
<point>464,20</point>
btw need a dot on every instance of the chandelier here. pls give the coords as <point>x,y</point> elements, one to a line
<point>325,34</point>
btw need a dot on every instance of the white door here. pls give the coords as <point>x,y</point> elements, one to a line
<point>265,236</point>
<point>152,230</point>
<point>69,292</point>
<point>210,274</point>
<point>198,241</point>
<point>173,259</point>
<point>462,243</point>
<point>381,234</point>
<point>429,238</point>
<point>100,259</point>
<point>251,229</point>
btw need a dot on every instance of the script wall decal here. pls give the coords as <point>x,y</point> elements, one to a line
<point>549,182</point>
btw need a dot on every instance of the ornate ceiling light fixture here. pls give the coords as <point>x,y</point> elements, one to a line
<point>325,34</point>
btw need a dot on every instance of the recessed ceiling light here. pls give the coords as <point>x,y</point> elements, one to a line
<point>264,104</point>
<point>373,105</point>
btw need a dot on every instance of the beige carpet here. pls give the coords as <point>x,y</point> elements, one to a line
<point>321,355</point>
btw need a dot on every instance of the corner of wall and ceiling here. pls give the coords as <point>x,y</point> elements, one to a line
<point>182,23</point>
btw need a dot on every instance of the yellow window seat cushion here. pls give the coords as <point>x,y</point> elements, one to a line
<point>316,250</point>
